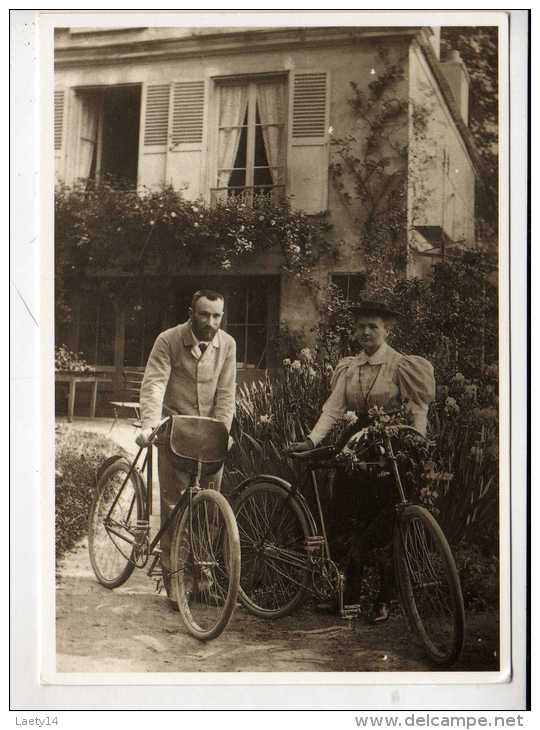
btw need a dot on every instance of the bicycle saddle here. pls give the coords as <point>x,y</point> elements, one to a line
<point>197,439</point>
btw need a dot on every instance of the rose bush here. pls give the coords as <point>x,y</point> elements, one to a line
<point>101,228</point>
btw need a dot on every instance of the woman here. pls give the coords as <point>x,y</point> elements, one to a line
<point>377,376</point>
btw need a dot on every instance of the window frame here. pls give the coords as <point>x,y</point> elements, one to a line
<point>247,326</point>
<point>348,274</point>
<point>100,89</point>
<point>251,81</point>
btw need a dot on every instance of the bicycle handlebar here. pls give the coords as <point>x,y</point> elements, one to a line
<point>318,453</point>
<point>329,452</point>
<point>156,430</point>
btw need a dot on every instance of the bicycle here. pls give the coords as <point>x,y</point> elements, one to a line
<point>286,554</point>
<point>205,549</point>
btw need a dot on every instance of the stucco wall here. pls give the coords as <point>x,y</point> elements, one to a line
<point>150,56</point>
<point>344,64</point>
<point>442,179</point>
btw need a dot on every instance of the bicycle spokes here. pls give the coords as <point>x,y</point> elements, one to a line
<point>273,554</point>
<point>116,511</point>
<point>433,601</point>
<point>203,561</point>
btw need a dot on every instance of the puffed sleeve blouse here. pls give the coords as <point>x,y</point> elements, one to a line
<point>387,378</point>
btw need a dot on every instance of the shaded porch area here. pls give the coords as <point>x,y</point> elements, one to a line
<point>116,319</point>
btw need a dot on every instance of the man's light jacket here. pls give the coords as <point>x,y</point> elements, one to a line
<point>179,379</point>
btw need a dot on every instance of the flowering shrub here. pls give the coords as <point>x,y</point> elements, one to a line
<point>103,228</point>
<point>272,413</point>
<point>77,459</point>
<point>464,424</point>
<point>450,319</point>
<point>66,361</point>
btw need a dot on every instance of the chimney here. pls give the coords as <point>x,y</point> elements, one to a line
<point>457,76</point>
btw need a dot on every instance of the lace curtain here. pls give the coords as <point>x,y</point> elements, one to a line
<point>232,110</point>
<point>271,102</point>
<point>90,109</point>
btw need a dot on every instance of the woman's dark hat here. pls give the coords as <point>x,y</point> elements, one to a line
<point>373,309</point>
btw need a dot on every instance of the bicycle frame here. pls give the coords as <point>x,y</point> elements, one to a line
<point>318,524</point>
<point>143,526</point>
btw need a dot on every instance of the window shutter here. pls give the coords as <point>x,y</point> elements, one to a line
<point>58,120</point>
<point>186,158</point>
<point>60,134</point>
<point>157,115</point>
<point>154,135</point>
<point>188,113</point>
<point>309,105</point>
<point>308,150</point>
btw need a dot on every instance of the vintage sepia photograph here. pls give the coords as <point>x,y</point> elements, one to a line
<point>277,344</point>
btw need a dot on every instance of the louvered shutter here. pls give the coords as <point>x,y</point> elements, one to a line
<point>58,120</point>
<point>186,158</point>
<point>308,148</point>
<point>154,134</point>
<point>59,132</point>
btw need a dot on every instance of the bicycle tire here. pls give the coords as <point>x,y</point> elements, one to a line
<point>266,589</point>
<point>205,572</point>
<point>111,554</point>
<point>429,585</point>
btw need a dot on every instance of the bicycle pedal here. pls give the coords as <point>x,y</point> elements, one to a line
<point>158,581</point>
<point>155,570</point>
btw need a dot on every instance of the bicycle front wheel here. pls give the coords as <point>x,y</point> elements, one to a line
<point>273,529</point>
<point>429,585</point>
<point>116,507</point>
<point>205,564</point>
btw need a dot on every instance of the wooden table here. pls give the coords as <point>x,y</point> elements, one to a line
<point>73,380</point>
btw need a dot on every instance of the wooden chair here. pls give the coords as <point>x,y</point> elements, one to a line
<point>132,388</point>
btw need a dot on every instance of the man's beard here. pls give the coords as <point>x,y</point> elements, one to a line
<point>206,334</point>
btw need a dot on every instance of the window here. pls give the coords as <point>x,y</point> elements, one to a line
<point>247,321</point>
<point>251,314</point>
<point>109,135</point>
<point>96,329</point>
<point>251,138</point>
<point>144,320</point>
<point>350,285</point>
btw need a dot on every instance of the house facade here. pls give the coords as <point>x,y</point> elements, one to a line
<point>220,112</point>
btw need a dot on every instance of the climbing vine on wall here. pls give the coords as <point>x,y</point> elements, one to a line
<point>376,171</point>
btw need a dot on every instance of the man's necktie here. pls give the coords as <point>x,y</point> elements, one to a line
<point>202,347</point>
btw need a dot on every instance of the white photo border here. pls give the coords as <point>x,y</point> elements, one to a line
<point>33,599</point>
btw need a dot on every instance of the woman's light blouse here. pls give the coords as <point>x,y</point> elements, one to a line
<point>395,379</point>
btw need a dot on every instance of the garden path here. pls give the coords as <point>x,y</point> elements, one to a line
<point>132,629</point>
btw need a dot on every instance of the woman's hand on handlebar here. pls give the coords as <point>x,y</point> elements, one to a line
<point>298,446</point>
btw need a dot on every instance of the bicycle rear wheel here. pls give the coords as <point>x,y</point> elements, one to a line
<point>205,570</point>
<point>111,528</point>
<point>273,528</point>
<point>429,585</point>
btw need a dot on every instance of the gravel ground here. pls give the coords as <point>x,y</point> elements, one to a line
<point>132,629</point>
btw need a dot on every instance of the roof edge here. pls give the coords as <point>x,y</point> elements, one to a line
<point>444,86</point>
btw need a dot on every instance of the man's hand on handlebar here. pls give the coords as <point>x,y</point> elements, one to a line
<point>298,446</point>
<point>143,438</point>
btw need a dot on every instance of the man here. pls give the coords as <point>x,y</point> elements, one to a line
<point>191,371</point>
